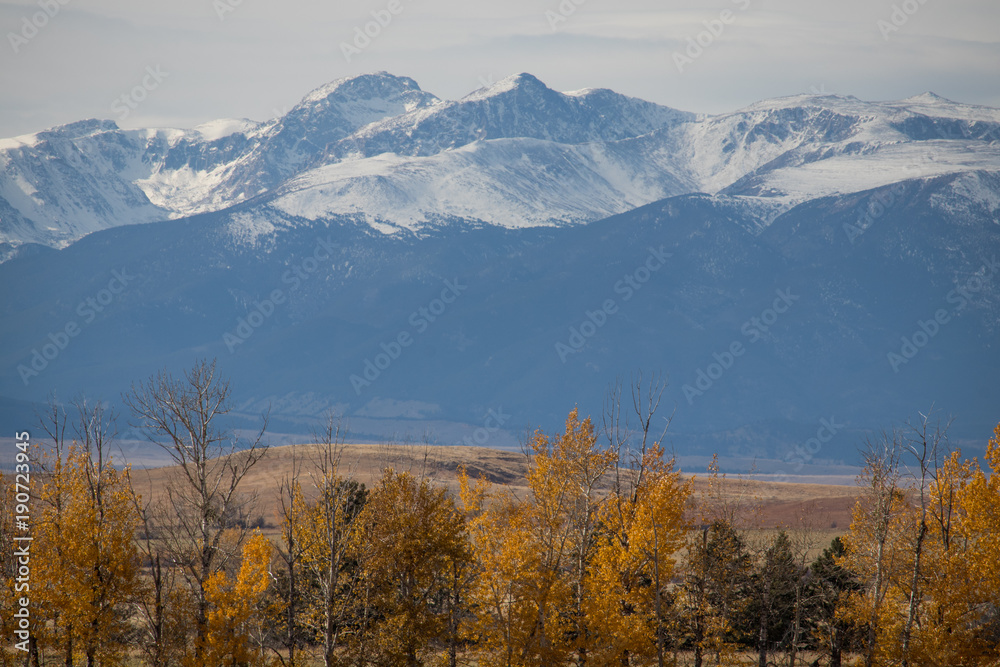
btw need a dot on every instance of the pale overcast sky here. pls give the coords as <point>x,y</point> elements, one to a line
<point>262,56</point>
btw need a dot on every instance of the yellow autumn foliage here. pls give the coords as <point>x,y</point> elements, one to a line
<point>236,610</point>
<point>958,583</point>
<point>85,562</point>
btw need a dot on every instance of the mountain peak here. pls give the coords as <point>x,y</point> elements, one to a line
<point>928,98</point>
<point>373,85</point>
<point>342,106</point>
<point>522,80</point>
<point>80,128</point>
<point>515,82</point>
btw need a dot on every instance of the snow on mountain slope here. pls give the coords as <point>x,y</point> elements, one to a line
<point>766,130</point>
<point>190,181</point>
<point>803,147</point>
<point>972,191</point>
<point>58,185</point>
<point>63,183</point>
<point>514,154</point>
<point>507,182</point>
<point>788,151</point>
<point>845,171</point>
<point>518,106</point>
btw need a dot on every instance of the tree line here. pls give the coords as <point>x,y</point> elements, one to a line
<point>605,558</point>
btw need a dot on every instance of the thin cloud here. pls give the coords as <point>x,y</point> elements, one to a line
<point>261,58</point>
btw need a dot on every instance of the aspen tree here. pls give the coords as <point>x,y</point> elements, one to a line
<point>183,416</point>
<point>88,568</point>
<point>635,561</point>
<point>322,528</point>
<point>879,523</point>
<point>535,552</point>
<point>235,610</point>
<point>406,539</point>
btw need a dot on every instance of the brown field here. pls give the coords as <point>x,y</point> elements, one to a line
<point>823,509</point>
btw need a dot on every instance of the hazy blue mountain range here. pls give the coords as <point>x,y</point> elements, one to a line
<point>808,265</point>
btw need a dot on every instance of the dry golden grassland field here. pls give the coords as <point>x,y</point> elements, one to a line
<point>823,510</point>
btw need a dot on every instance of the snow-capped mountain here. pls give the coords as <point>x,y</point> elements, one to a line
<point>514,154</point>
<point>58,185</point>
<point>303,252</point>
